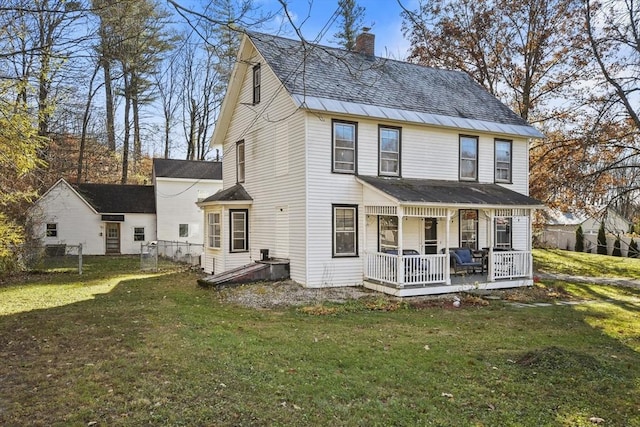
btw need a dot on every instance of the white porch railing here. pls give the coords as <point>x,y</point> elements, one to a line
<point>511,264</point>
<point>418,269</point>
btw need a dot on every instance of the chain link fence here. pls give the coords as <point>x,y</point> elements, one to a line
<point>58,257</point>
<point>181,252</point>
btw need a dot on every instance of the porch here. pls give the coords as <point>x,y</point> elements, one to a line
<point>416,232</point>
<point>414,275</point>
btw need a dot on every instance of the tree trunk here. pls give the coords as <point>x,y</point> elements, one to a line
<point>127,126</point>
<point>108,92</point>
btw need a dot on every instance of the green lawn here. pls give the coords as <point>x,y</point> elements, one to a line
<point>117,347</point>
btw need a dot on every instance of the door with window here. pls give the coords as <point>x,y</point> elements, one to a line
<point>430,236</point>
<point>112,238</point>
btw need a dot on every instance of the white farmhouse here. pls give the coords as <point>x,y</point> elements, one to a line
<point>104,218</point>
<point>367,171</point>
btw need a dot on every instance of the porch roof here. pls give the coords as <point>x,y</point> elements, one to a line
<point>237,193</point>
<point>437,192</point>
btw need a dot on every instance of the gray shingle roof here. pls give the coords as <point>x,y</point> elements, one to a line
<point>410,190</point>
<point>114,198</point>
<point>231,194</point>
<point>329,73</point>
<point>193,169</point>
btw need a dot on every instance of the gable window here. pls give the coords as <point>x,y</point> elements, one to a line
<point>256,84</point>
<point>213,230</point>
<point>52,230</point>
<point>239,230</point>
<point>240,161</point>
<point>468,158</point>
<point>345,230</point>
<point>138,234</point>
<point>469,228</point>
<point>389,154</point>
<point>503,233</point>
<point>183,230</point>
<point>388,232</point>
<point>344,146</point>
<point>503,160</point>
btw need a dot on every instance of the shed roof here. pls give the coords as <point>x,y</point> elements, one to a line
<point>114,198</point>
<point>192,169</point>
<point>428,191</point>
<point>331,79</point>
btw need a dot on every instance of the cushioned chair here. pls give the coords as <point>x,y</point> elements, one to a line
<point>417,269</point>
<point>462,260</point>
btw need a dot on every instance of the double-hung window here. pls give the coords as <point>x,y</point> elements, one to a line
<point>183,230</point>
<point>138,234</point>
<point>213,230</point>
<point>52,230</point>
<point>345,230</point>
<point>389,154</point>
<point>239,219</point>
<point>240,161</point>
<point>503,160</point>
<point>468,158</point>
<point>344,146</point>
<point>256,84</point>
<point>388,232</point>
<point>503,233</point>
<point>469,228</point>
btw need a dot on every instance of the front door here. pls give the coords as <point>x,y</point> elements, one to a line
<point>430,236</point>
<point>113,238</point>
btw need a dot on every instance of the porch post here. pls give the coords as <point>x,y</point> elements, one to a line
<point>400,267</point>
<point>490,272</point>
<point>529,241</point>
<point>447,267</point>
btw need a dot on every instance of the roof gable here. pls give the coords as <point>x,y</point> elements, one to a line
<point>232,194</point>
<point>189,169</point>
<point>331,79</point>
<point>115,198</point>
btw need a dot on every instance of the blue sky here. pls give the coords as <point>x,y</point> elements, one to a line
<point>382,15</point>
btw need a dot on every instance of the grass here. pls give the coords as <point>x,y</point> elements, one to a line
<point>116,347</point>
<point>583,264</point>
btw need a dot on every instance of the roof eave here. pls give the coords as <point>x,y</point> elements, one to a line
<point>351,108</point>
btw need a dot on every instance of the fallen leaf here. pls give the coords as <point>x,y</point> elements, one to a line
<point>426,347</point>
<point>448,395</point>
<point>596,420</point>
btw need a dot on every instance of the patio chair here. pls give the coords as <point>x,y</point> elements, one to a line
<point>418,269</point>
<point>462,260</point>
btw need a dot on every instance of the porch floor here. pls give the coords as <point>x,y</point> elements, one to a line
<point>459,283</point>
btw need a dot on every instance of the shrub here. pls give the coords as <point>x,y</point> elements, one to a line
<point>616,247</point>
<point>633,249</point>
<point>602,240</point>
<point>579,239</point>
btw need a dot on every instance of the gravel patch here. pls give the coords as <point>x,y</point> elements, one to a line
<point>289,293</point>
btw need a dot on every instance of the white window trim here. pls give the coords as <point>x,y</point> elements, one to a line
<point>136,234</point>
<point>240,161</point>
<point>509,164</point>
<point>214,237</point>
<point>54,230</point>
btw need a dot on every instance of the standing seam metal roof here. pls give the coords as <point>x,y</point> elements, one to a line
<point>191,169</point>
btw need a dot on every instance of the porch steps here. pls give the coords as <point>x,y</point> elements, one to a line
<point>274,269</point>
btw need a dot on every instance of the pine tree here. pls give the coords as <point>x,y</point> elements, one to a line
<point>616,247</point>
<point>351,16</point>
<point>602,240</point>
<point>579,239</point>
<point>633,249</point>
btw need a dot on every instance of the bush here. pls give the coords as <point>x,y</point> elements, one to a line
<point>616,247</point>
<point>602,240</point>
<point>579,240</point>
<point>633,249</point>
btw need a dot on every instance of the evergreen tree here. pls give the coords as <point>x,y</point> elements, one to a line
<point>350,19</point>
<point>633,249</point>
<point>602,240</point>
<point>579,240</point>
<point>616,247</point>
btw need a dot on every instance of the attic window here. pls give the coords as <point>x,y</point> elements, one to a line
<point>256,84</point>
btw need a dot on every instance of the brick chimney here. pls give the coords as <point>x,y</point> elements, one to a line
<point>366,42</point>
